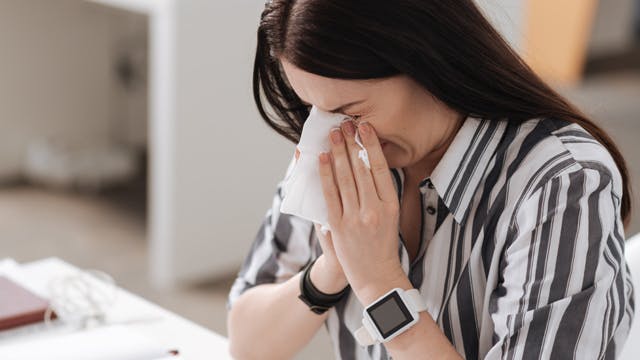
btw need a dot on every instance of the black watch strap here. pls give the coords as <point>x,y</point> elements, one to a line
<point>317,301</point>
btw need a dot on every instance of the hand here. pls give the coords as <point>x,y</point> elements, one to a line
<point>363,208</point>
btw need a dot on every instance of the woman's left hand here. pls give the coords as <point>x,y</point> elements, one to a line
<point>363,208</point>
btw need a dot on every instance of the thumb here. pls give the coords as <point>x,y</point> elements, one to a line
<point>325,239</point>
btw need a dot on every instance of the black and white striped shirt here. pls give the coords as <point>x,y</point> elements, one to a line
<point>521,253</point>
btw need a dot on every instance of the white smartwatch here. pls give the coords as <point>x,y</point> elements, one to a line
<point>390,315</point>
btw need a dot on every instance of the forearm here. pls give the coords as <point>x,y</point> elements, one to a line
<point>270,322</point>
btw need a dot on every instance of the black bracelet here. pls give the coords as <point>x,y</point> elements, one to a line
<point>317,301</point>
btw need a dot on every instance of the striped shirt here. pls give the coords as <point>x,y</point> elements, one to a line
<point>521,253</point>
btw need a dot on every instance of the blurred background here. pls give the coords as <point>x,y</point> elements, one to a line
<point>129,141</point>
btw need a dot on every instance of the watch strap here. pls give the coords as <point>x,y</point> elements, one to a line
<point>363,336</point>
<point>317,301</point>
<point>417,301</point>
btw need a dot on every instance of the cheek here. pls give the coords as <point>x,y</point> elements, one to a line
<point>394,154</point>
<point>392,133</point>
<point>402,150</point>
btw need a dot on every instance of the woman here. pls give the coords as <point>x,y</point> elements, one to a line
<point>491,195</point>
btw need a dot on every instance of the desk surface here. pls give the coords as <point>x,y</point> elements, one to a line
<point>192,340</point>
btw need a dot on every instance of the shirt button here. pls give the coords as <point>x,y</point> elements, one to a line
<point>431,210</point>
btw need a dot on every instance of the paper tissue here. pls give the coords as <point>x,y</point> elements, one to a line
<point>302,189</point>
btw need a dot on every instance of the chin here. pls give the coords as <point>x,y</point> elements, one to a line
<point>391,156</point>
<point>392,162</point>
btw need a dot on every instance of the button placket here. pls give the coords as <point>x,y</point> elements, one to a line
<point>427,192</point>
<point>429,196</point>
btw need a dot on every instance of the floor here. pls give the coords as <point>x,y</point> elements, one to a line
<point>107,231</point>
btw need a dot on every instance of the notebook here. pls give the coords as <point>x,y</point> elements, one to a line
<point>19,306</point>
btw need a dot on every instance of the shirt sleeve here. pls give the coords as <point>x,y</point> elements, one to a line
<point>280,249</point>
<point>565,290</point>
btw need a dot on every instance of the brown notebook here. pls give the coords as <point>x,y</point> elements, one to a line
<point>19,306</point>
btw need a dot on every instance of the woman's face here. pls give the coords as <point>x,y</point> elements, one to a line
<point>414,128</point>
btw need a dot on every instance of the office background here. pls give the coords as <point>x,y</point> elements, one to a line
<point>129,141</point>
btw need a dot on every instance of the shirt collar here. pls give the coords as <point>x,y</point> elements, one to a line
<point>462,167</point>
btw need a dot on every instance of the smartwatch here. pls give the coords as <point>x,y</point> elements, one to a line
<point>390,315</point>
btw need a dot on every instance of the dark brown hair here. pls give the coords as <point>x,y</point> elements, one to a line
<point>448,47</point>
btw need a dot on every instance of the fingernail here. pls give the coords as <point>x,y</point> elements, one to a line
<point>349,128</point>
<point>336,136</point>
<point>364,128</point>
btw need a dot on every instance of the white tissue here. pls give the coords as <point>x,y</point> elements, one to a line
<point>362,154</point>
<point>302,189</point>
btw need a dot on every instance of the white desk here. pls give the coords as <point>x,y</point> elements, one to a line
<point>193,341</point>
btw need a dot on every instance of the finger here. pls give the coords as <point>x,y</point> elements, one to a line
<point>325,239</point>
<point>379,167</point>
<point>364,180</point>
<point>329,189</point>
<point>343,173</point>
<point>317,227</point>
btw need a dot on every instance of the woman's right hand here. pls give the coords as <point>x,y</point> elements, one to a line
<point>327,274</point>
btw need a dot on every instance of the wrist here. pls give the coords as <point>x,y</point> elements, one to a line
<point>372,290</point>
<point>325,278</point>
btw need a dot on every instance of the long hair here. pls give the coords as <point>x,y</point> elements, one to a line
<point>448,47</point>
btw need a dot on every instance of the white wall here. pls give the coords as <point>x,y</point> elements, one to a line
<point>57,77</point>
<point>51,52</point>
<point>508,17</point>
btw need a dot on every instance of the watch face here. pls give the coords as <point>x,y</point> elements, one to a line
<point>390,314</point>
